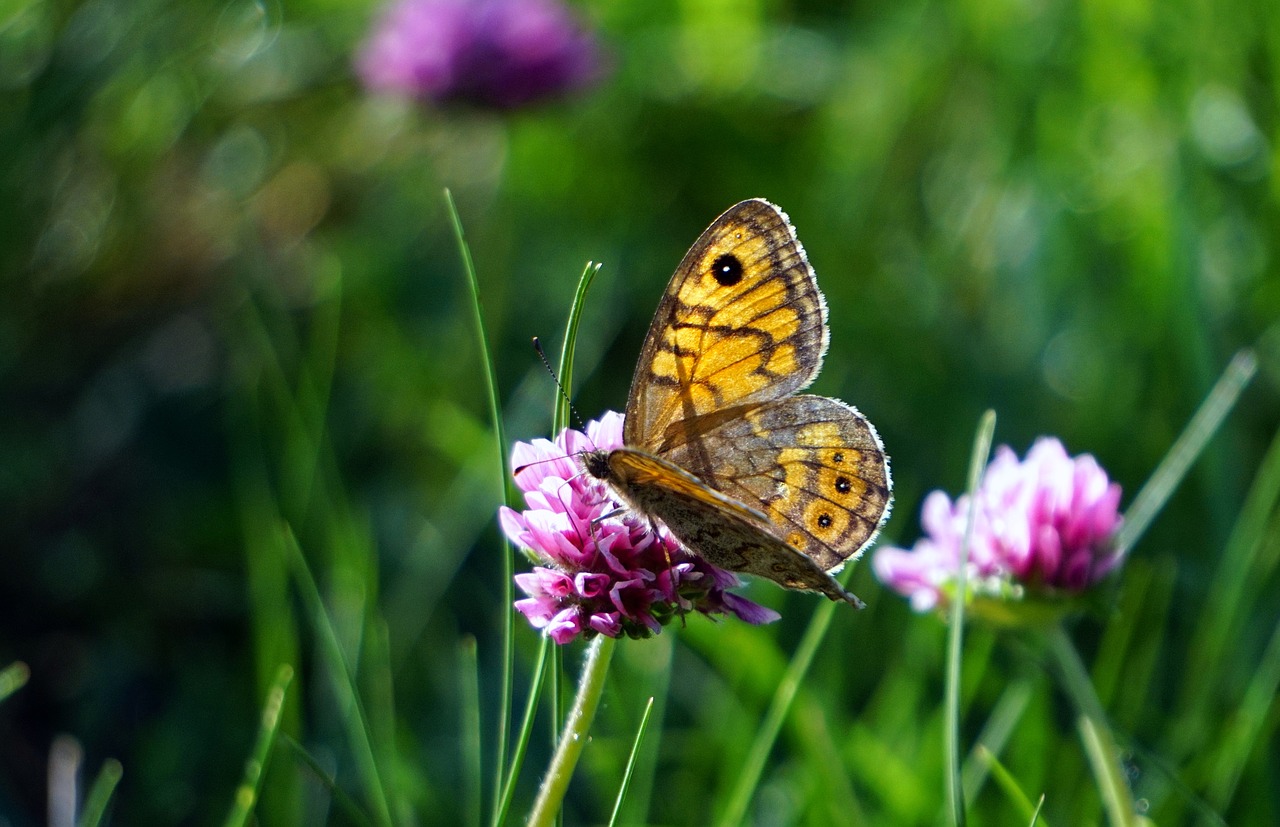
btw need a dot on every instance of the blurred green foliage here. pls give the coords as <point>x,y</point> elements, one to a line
<point>235,304</point>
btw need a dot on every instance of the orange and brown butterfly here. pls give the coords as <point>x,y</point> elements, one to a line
<point>718,445</point>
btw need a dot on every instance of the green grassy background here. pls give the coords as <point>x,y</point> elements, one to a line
<point>234,304</point>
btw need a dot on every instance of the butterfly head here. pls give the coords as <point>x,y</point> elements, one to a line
<point>596,463</point>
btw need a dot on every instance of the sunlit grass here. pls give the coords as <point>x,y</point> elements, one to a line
<point>260,391</point>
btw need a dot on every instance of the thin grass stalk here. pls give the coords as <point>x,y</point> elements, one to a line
<point>994,735</point>
<point>1035,817</point>
<point>657,680</point>
<point>631,763</point>
<point>1099,743</point>
<point>472,760</point>
<point>1215,636</point>
<point>1007,782</point>
<point>507,789</point>
<point>1203,425</point>
<point>955,637</point>
<point>500,436</point>
<point>779,707</point>
<point>339,797</point>
<point>1244,729</point>
<point>246,797</point>
<point>342,679</point>
<point>380,703</point>
<point>576,729</point>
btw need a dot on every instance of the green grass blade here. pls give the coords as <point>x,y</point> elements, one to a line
<point>344,802</point>
<point>1232,593</point>
<point>1012,789</point>
<point>342,680</point>
<point>500,435</point>
<point>1035,817</point>
<point>560,420</point>
<point>13,678</point>
<point>247,793</point>
<point>994,735</point>
<point>1246,725</point>
<point>654,678</point>
<point>1099,743</point>
<point>955,637</point>
<point>472,763</point>
<point>1147,504</point>
<point>784,696</point>
<point>507,789</point>
<point>631,762</point>
<point>104,786</point>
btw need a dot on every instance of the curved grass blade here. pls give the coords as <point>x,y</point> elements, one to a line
<point>500,435</point>
<point>560,419</point>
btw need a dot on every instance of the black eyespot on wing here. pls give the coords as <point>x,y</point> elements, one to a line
<point>838,456</point>
<point>727,270</point>
<point>824,520</point>
<point>843,485</point>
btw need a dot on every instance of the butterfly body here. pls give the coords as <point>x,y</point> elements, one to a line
<point>718,445</point>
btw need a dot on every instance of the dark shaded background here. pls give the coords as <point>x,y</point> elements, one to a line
<point>234,299</point>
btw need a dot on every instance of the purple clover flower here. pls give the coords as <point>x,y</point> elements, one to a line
<point>498,53</point>
<point>602,570</point>
<point>1046,523</point>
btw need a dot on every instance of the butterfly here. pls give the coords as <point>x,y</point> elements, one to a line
<point>719,447</point>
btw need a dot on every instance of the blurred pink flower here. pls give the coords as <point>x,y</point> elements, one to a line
<point>602,570</point>
<point>498,53</point>
<point>1046,524</point>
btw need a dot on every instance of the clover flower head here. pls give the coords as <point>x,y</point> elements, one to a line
<point>497,53</point>
<point>600,569</point>
<point>1045,524</point>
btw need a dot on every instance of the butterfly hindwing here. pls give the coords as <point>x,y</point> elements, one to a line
<point>720,529</point>
<point>814,465</point>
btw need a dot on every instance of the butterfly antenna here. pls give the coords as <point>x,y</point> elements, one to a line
<point>546,363</point>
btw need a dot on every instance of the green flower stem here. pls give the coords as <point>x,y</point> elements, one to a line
<point>955,638</point>
<point>574,737</point>
<point>1100,746</point>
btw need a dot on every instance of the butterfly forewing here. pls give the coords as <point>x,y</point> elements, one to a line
<point>742,321</point>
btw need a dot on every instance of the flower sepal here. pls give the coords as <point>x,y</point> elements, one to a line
<point>1015,609</point>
